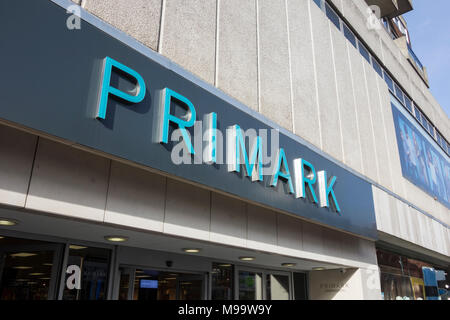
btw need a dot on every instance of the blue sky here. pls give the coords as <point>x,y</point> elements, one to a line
<point>429,28</point>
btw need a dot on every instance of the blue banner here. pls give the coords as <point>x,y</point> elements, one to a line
<point>422,163</point>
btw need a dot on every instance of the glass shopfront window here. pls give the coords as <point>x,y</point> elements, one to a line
<point>277,287</point>
<point>86,273</point>
<point>151,285</point>
<point>396,287</point>
<point>261,284</point>
<point>402,278</point>
<point>222,281</point>
<point>250,285</point>
<point>28,269</point>
<point>34,270</point>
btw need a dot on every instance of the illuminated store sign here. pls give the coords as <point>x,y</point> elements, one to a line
<point>236,146</point>
<point>103,91</point>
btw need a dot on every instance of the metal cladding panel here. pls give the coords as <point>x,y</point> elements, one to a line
<point>50,82</point>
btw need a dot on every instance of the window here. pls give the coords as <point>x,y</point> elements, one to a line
<point>364,52</point>
<point>431,129</point>
<point>349,34</point>
<point>408,104</point>
<point>250,285</point>
<point>222,281</point>
<point>443,143</point>
<point>399,93</point>
<point>438,138</point>
<point>377,67</point>
<point>389,81</point>
<point>277,287</point>
<point>300,289</point>
<point>86,273</point>
<point>417,113</point>
<point>332,16</point>
<point>28,269</point>
<point>318,2</point>
<point>424,121</point>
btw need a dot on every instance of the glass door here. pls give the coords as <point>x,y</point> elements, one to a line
<point>190,287</point>
<point>147,284</point>
<point>256,284</point>
<point>28,269</point>
<point>250,285</point>
<point>277,286</point>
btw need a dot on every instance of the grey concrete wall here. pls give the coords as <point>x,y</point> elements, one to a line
<point>396,218</point>
<point>286,60</point>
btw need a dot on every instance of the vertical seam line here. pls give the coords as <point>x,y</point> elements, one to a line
<point>337,92</point>
<point>32,170</point>
<point>290,66</point>
<point>258,58</point>
<point>161,26</point>
<point>355,106</point>
<point>216,70</point>
<point>315,74</point>
<point>371,118</point>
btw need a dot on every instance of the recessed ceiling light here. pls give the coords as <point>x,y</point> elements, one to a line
<point>318,268</point>
<point>36,274</point>
<point>23,255</point>
<point>75,247</point>
<point>1,237</point>
<point>22,268</point>
<point>225,265</point>
<point>247,258</point>
<point>288,264</point>
<point>6,222</point>
<point>116,238</point>
<point>47,264</point>
<point>191,250</point>
<point>170,278</point>
<point>44,278</point>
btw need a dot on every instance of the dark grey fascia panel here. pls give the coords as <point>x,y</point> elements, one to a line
<point>50,83</point>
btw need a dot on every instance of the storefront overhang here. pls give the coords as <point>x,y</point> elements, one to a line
<point>46,227</point>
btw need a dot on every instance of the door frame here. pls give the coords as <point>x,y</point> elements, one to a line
<point>264,273</point>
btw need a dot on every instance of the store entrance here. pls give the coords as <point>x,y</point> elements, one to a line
<point>28,269</point>
<point>147,284</point>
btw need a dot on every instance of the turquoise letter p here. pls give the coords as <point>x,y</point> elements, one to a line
<point>107,89</point>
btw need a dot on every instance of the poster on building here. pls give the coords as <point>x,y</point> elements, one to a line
<point>421,162</point>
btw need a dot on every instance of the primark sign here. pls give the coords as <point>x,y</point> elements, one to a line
<point>167,100</point>
<point>97,88</point>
